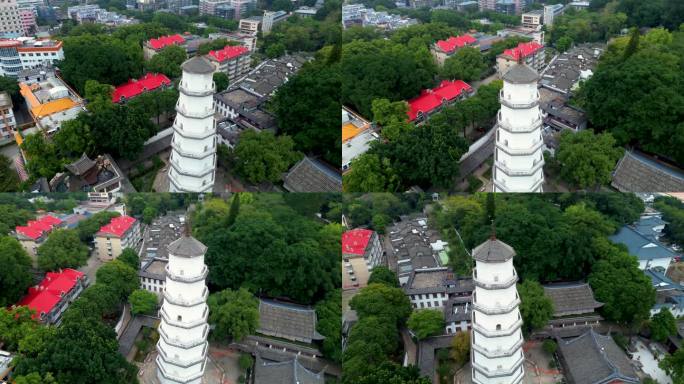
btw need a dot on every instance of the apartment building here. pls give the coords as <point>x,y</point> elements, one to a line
<point>152,46</point>
<point>361,252</point>
<point>35,232</point>
<point>233,60</point>
<point>250,25</point>
<point>120,233</point>
<point>531,53</point>
<point>26,53</point>
<point>10,19</point>
<point>7,121</point>
<point>53,295</point>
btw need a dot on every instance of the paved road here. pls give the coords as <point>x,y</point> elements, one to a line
<point>91,268</point>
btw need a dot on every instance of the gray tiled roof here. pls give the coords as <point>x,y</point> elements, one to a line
<point>593,359</point>
<point>310,175</point>
<point>287,321</point>
<point>571,298</point>
<point>636,172</point>
<point>199,65</point>
<point>286,372</point>
<point>521,74</point>
<point>493,250</point>
<point>640,246</point>
<point>81,165</point>
<point>187,246</point>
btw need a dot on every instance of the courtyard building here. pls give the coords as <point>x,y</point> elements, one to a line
<point>120,233</point>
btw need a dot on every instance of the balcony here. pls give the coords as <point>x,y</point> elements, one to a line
<point>185,344</point>
<point>495,284</point>
<point>494,333</point>
<point>185,325</point>
<point>174,361</point>
<point>185,302</point>
<point>536,146</point>
<point>174,377</point>
<point>520,172</point>
<point>186,172</point>
<point>194,134</point>
<point>206,153</point>
<point>202,114</point>
<point>486,371</point>
<point>496,309</point>
<point>513,105</point>
<point>180,187</point>
<point>499,352</point>
<point>186,279</point>
<point>506,125</point>
<point>207,92</point>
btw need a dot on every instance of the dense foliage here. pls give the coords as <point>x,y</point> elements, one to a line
<point>62,249</point>
<point>142,302</point>
<point>535,307</point>
<point>329,314</point>
<point>662,325</point>
<point>426,322</point>
<point>15,274</point>
<point>263,156</point>
<point>235,314</point>
<point>673,213</point>
<point>587,160</point>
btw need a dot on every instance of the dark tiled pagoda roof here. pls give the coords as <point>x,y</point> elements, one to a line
<point>637,172</point>
<point>286,372</point>
<point>287,321</point>
<point>493,250</point>
<point>571,298</point>
<point>187,246</point>
<point>310,175</point>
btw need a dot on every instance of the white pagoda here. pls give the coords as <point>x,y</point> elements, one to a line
<point>518,157</point>
<point>193,156</point>
<point>183,330</point>
<point>496,341</point>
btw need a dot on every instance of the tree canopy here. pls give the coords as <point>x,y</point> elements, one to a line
<point>535,307</point>
<point>62,249</point>
<point>119,276</point>
<point>662,325</point>
<point>235,314</point>
<point>587,160</point>
<point>142,302</point>
<point>426,322</point>
<point>262,156</point>
<point>15,274</point>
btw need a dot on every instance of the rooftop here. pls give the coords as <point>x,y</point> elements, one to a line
<point>165,41</point>
<point>268,76</point>
<point>198,65</point>
<point>524,49</point>
<point>288,321</point>
<point>43,297</point>
<point>187,246</point>
<point>594,358</point>
<point>355,241</point>
<point>493,250</point>
<point>228,52</point>
<point>162,232</point>
<point>311,175</point>
<point>34,229</point>
<point>286,372</point>
<point>431,99</point>
<point>117,226</point>
<point>412,241</point>
<point>641,246</point>
<point>134,87</point>
<point>571,298</point>
<point>566,69</point>
<point>520,74</point>
<point>154,269</point>
<point>639,172</point>
<point>433,280</point>
<point>452,43</point>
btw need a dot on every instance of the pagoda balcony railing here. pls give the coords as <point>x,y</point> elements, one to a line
<point>181,187</point>
<point>520,172</point>
<point>514,105</point>
<point>492,372</point>
<point>496,309</point>
<point>505,124</point>
<point>201,114</point>
<point>498,333</point>
<point>185,324</point>
<point>192,173</point>
<point>186,279</point>
<point>178,362</point>
<point>193,92</point>
<point>176,342</point>
<point>208,151</point>
<point>498,352</point>
<point>501,185</point>
<point>177,378</point>
<point>494,284</point>
<point>194,134</point>
<point>186,302</point>
<point>536,146</point>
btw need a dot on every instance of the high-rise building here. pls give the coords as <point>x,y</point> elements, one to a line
<point>496,342</point>
<point>10,19</point>
<point>518,158</point>
<point>193,156</point>
<point>183,330</point>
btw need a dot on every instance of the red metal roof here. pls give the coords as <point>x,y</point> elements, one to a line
<point>450,44</point>
<point>43,297</point>
<point>35,228</point>
<point>228,52</point>
<point>165,41</point>
<point>355,241</point>
<point>430,99</point>
<point>525,49</point>
<point>117,226</point>
<point>134,87</point>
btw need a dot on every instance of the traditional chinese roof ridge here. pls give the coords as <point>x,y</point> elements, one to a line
<point>285,372</point>
<point>311,175</point>
<point>228,52</point>
<point>430,99</point>
<point>638,172</point>
<point>288,321</point>
<point>134,87</point>
<point>43,297</point>
<point>117,226</point>
<point>453,42</point>
<point>198,65</point>
<point>164,41</point>
<point>524,49</point>
<point>355,241</point>
<point>81,166</point>
<point>571,298</point>
<point>34,229</point>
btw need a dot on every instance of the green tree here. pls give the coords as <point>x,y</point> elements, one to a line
<point>42,157</point>
<point>263,156</point>
<point>15,274</point>
<point>426,322</point>
<point>673,365</point>
<point>564,43</point>
<point>385,111</point>
<point>587,160</point>
<point>130,257</point>
<point>142,302</point>
<point>245,361</point>
<point>626,292</point>
<point>275,50</point>
<point>221,81</point>
<point>550,346</point>
<point>662,325</point>
<point>168,61</point>
<point>234,209</point>
<point>149,213</point>
<point>383,275</point>
<point>74,138</point>
<point>382,301</point>
<point>460,348</point>
<point>370,173</point>
<point>633,44</point>
<point>536,308</point>
<point>62,249</point>
<point>329,324</point>
<point>11,86</point>
<point>119,276</point>
<point>35,378</point>
<point>100,299</point>
<point>15,325</point>
<point>390,372</point>
<point>235,314</point>
<point>9,180</point>
<point>88,227</point>
<point>466,64</point>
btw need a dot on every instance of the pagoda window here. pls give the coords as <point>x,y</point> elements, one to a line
<point>179,318</point>
<point>498,327</point>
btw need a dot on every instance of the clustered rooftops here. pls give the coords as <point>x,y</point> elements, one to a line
<point>34,229</point>
<point>431,99</point>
